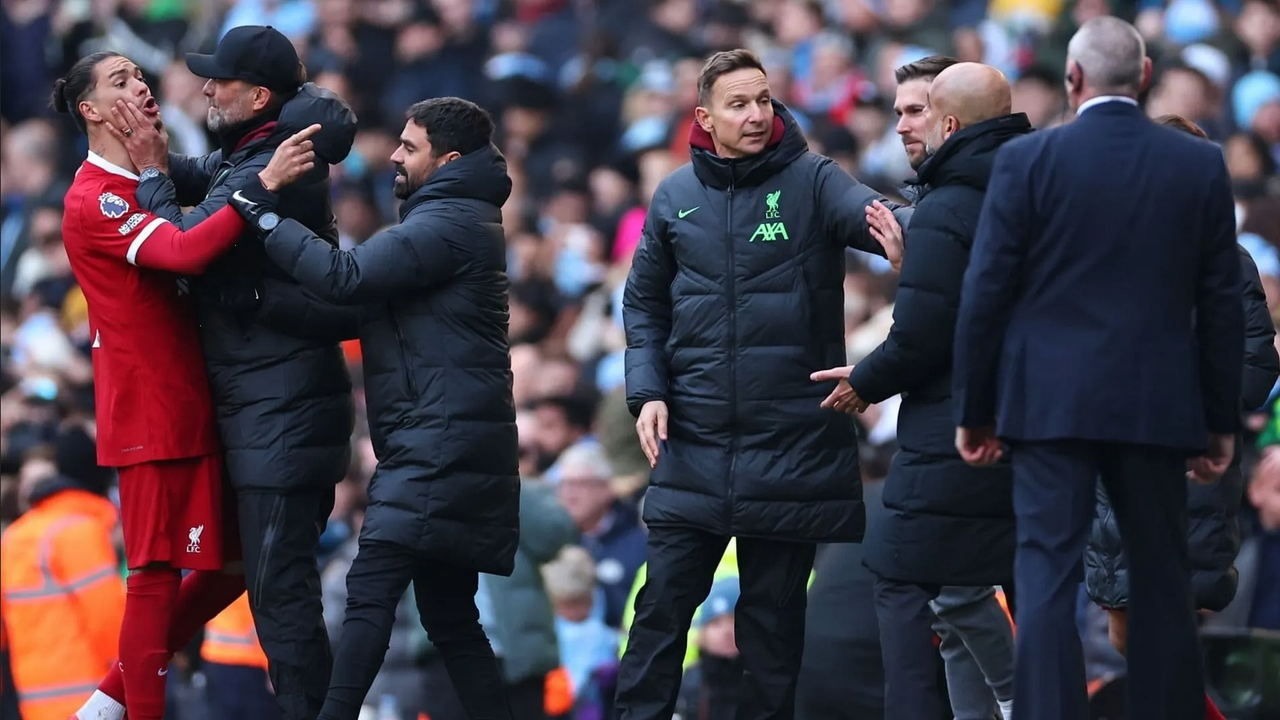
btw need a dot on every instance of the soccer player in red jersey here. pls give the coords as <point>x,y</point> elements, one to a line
<point>155,414</point>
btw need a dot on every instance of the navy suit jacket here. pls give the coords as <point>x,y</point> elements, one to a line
<point>1102,300</point>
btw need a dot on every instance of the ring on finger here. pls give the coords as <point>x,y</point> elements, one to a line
<point>128,132</point>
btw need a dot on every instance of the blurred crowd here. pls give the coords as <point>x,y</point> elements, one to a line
<point>593,101</point>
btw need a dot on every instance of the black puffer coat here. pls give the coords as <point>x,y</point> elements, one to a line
<point>736,295</point>
<point>1213,528</point>
<point>436,362</point>
<point>280,383</point>
<point>946,523</point>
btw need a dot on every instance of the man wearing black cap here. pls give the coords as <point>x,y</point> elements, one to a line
<point>280,383</point>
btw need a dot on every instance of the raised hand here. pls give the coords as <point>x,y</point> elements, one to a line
<point>886,230</point>
<point>145,138</point>
<point>294,158</point>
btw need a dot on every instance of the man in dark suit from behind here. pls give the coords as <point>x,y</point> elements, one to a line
<point>1100,335</point>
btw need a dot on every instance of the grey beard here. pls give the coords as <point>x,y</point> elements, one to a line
<point>217,122</point>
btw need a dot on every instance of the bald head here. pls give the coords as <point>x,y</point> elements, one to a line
<point>1109,56</point>
<point>971,93</point>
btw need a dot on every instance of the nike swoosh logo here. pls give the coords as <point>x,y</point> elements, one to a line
<point>242,199</point>
<point>683,213</point>
<point>163,672</point>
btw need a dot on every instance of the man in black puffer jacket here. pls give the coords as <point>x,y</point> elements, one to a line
<point>444,501</point>
<point>280,383</point>
<point>946,523</point>
<point>736,295</point>
<point>1213,530</point>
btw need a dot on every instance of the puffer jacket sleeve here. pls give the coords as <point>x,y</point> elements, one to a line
<point>918,348</point>
<point>162,195</point>
<point>191,176</point>
<point>282,306</point>
<point>294,310</point>
<point>646,312</point>
<point>843,202</point>
<point>1261,364</point>
<point>1106,571</point>
<point>400,258</point>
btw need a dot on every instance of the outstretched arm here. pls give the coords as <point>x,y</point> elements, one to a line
<point>844,204</point>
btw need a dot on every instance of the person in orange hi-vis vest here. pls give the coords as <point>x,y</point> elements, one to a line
<point>236,667</point>
<point>61,590</point>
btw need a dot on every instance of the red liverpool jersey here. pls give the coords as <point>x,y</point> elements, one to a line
<point>152,395</point>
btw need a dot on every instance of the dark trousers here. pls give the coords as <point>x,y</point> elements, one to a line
<point>1053,495</point>
<point>526,697</point>
<point>378,578</point>
<point>768,622</point>
<point>911,688</point>
<point>280,533</point>
<point>238,692</point>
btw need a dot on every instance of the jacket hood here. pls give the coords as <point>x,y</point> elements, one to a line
<point>481,175</point>
<point>966,157</point>
<point>314,104</point>
<point>786,144</point>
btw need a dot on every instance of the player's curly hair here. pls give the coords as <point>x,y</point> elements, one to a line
<point>75,86</point>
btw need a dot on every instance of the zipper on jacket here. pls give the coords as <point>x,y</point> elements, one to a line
<point>404,356</point>
<point>733,361</point>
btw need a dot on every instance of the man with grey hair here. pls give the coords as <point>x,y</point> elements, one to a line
<point>1101,335</point>
<point>609,528</point>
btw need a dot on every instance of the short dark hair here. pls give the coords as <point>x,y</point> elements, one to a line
<point>723,63</point>
<point>75,86</point>
<point>924,68</point>
<point>1177,122</point>
<point>452,125</point>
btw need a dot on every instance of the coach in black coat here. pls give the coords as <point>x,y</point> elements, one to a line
<point>734,298</point>
<point>444,501</point>
<point>1213,527</point>
<point>946,523</point>
<point>437,370</point>
<point>280,385</point>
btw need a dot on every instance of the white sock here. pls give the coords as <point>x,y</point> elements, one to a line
<point>1006,708</point>
<point>100,706</point>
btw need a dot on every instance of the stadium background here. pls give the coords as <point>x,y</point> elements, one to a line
<point>593,101</point>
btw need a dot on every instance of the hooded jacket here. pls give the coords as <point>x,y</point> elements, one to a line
<point>280,383</point>
<point>933,500</point>
<point>736,295</point>
<point>437,365</point>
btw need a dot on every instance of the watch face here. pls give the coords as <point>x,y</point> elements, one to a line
<point>269,221</point>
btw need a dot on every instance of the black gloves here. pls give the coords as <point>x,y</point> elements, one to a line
<point>253,201</point>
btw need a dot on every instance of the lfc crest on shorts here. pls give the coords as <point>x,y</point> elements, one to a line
<point>193,535</point>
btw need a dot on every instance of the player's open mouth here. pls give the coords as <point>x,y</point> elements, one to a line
<point>150,106</point>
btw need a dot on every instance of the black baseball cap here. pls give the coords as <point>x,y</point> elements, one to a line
<point>256,54</point>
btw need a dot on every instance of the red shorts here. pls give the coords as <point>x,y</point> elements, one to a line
<point>177,512</point>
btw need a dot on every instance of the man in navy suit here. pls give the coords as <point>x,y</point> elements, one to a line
<point>1100,335</point>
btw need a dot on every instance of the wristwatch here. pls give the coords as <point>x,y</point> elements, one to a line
<point>268,221</point>
<point>151,172</point>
